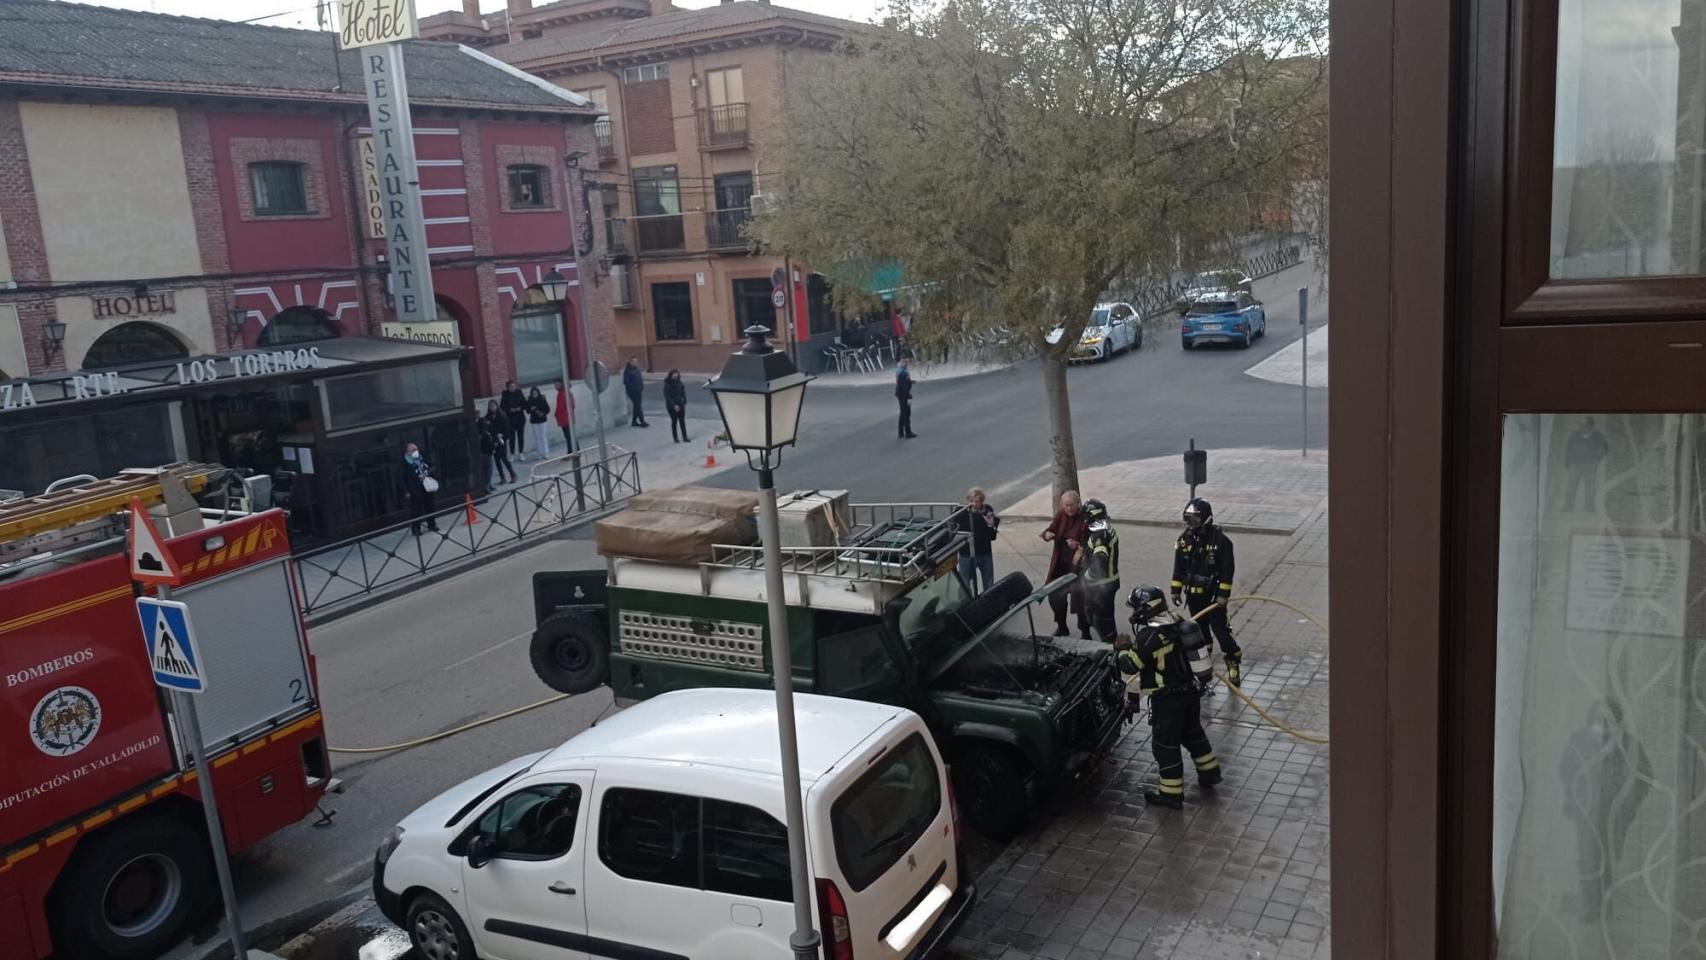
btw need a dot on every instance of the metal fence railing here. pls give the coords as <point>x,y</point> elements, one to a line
<point>344,571</point>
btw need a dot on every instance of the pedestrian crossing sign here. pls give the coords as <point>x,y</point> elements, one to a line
<point>171,644</point>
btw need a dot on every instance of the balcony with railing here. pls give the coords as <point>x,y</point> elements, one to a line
<point>725,126</point>
<point>618,234</point>
<point>605,136</point>
<point>726,229</point>
<point>659,233</point>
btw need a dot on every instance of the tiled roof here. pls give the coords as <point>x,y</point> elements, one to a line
<point>70,44</point>
<point>669,27</point>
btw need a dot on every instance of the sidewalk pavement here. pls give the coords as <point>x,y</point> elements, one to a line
<point>1252,490</point>
<point>1241,872</point>
<point>1285,365</point>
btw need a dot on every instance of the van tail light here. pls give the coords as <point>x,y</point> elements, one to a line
<point>832,911</point>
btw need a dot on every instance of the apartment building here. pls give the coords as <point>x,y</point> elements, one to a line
<point>685,96</point>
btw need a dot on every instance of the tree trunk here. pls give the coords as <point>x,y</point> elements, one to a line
<point>1064,466</point>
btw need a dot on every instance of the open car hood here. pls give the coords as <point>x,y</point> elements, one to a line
<point>946,662</point>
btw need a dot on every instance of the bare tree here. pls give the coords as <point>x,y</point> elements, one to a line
<point>1015,157</point>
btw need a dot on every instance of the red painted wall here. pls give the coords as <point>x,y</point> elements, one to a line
<point>524,232</point>
<point>273,244</point>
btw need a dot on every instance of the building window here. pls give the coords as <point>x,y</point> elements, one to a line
<point>817,304</point>
<point>672,310</point>
<point>645,72</point>
<point>657,208</point>
<point>753,305</point>
<point>599,96</point>
<point>298,325</point>
<point>529,187</point>
<point>133,343</point>
<point>280,187</point>
<point>724,86</point>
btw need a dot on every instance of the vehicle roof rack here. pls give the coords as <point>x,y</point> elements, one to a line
<point>888,549</point>
<point>90,512</point>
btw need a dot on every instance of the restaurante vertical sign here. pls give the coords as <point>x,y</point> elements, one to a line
<point>376,27</point>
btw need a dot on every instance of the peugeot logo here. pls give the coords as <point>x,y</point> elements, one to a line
<point>911,862</point>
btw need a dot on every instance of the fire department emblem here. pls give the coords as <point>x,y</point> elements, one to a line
<point>65,721</point>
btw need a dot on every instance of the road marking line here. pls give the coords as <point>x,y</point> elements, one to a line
<point>502,643</point>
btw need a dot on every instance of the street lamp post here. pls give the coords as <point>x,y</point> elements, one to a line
<point>557,290</point>
<point>759,396</point>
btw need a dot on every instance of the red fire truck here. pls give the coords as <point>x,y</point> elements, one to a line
<point>103,846</point>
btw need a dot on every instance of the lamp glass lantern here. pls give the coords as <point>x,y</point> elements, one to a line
<point>554,286</point>
<point>759,395</point>
<point>234,325</point>
<point>53,332</point>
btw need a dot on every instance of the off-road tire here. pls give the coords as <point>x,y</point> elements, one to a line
<point>436,931</point>
<point>571,652</point>
<point>989,785</point>
<point>166,857</point>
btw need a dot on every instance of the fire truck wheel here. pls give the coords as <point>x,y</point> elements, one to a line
<point>436,931</point>
<point>570,652</point>
<point>130,890</point>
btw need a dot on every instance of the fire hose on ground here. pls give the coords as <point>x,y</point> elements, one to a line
<point>1278,724</point>
<point>1273,721</point>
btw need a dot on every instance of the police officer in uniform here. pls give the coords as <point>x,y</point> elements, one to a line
<point>1202,575</point>
<point>1101,570</point>
<point>1169,655</point>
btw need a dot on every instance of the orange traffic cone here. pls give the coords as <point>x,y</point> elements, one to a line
<point>473,517</point>
<point>710,454</point>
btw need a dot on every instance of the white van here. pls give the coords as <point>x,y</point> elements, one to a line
<point>659,834</point>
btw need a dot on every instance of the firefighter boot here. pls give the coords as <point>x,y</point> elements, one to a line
<point>1170,794</point>
<point>1235,669</point>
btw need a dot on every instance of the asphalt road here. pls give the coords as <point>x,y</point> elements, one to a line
<point>991,429</point>
<point>457,651</point>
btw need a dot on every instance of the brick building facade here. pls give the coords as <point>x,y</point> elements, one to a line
<point>235,185</point>
<point>685,98</point>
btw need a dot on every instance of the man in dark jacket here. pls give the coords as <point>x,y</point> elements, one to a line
<point>903,393</point>
<point>634,382</point>
<point>1582,455</point>
<point>1202,574</point>
<point>978,556</point>
<point>513,403</point>
<point>416,475</point>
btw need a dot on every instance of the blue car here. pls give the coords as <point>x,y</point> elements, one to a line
<point>1232,317</point>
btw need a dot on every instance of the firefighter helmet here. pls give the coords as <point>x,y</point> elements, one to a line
<point>1095,510</point>
<point>1198,513</point>
<point>1146,601</point>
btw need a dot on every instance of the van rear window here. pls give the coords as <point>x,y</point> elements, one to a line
<point>880,817</point>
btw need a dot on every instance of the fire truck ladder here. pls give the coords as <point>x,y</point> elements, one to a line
<point>76,517</point>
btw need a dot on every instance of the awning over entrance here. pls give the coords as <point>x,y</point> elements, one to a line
<point>164,379</point>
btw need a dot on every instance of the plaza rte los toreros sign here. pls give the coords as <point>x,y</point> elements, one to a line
<point>376,28</point>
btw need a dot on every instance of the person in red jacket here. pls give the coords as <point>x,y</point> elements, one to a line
<point>566,415</point>
<point>1067,532</point>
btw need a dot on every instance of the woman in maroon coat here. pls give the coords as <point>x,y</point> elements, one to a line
<point>1067,532</point>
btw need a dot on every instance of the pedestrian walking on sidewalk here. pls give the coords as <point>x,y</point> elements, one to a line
<point>1067,531</point>
<point>419,484</point>
<point>1101,570</point>
<point>675,403</point>
<point>495,425</point>
<point>903,393</point>
<point>566,415</point>
<point>513,403</point>
<point>488,449</point>
<point>977,557</point>
<point>634,382</point>
<point>538,413</point>
<point>1202,574</point>
<point>1163,652</point>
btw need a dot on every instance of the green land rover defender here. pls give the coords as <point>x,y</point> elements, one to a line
<point>881,615</point>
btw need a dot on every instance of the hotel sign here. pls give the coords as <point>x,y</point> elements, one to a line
<point>363,23</point>
<point>142,305</point>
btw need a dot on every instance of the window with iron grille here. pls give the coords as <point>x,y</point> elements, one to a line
<point>672,310</point>
<point>644,72</point>
<point>280,188</point>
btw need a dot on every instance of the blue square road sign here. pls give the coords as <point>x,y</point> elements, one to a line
<point>172,651</point>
